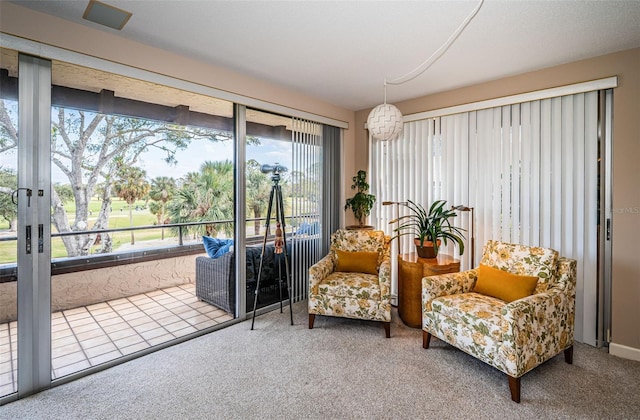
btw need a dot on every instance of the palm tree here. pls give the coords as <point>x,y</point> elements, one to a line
<point>258,192</point>
<point>131,185</point>
<point>162,190</point>
<point>206,196</point>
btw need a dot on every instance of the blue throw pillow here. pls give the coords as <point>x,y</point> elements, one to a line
<point>216,247</point>
<point>303,229</point>
<point>211,245</point>
<point>224,248</point>
<point>314,228</point>
<point>308,229</point>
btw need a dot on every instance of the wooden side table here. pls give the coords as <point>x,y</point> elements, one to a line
<point>411,270</point>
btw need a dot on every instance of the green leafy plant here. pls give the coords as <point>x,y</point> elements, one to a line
<point>430,226</point>
<point>362,202</point>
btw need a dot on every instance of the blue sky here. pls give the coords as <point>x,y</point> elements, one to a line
<point>189,160</point>
<point>269,152</point>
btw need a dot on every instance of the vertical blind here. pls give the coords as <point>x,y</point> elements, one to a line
<point>307,204</point>
<point>332,179</point>
<point>529,170</point>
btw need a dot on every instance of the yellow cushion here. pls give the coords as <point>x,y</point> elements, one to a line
<point>503,285</point>
<point>357,262</point>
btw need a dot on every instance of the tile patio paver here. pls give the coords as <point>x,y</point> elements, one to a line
<point>101,332</point>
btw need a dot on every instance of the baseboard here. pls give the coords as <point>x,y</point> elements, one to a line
<point>625,352</point>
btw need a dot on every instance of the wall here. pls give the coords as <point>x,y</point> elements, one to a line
<point>625,331</point>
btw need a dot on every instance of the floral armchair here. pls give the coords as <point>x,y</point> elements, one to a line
<point>514,337</point>
<point>353,292</point>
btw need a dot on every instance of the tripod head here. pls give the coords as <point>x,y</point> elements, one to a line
<point>276,169</point>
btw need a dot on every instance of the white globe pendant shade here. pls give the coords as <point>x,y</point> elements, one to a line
<point>385,122</point>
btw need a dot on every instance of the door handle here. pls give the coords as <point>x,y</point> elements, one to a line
<point>28,235</point>
<point>14,196</point>
<point>40,238</point>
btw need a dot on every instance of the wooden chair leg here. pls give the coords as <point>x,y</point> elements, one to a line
<point>426,338</point>
<point>387,329</point>
<point>514,387</point>
<point>568,355</point>
<point>312,318</point>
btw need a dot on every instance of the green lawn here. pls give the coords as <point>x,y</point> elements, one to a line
<point>117,219</point>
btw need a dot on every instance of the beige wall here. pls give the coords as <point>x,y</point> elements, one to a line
<point>626,152</point>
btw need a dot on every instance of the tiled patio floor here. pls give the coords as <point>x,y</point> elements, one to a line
<point>94,334</point>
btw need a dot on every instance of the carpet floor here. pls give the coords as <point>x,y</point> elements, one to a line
<point>342,369</point>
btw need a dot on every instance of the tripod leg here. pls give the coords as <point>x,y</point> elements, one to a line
<point>280,281</point>
<point>277,255</point>
<point>286,260</point>
<point>264,245</point>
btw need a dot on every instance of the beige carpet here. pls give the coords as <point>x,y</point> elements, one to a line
<point>342,369</point>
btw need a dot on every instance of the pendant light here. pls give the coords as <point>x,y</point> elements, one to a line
<point>385,121</point>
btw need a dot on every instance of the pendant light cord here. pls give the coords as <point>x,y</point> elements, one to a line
<point>435,56</point>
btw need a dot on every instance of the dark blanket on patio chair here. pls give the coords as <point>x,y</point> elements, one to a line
<point>216,280</point>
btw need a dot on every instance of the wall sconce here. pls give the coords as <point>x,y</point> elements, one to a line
<point>473,239</point>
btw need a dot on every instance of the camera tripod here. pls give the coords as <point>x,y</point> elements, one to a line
<point>280,242</point>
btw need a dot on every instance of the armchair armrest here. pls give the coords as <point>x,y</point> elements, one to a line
<point>320,271</point>
<point>538,327</point>
<point>446,284</point>
<point>566,272</point>
<point>384,278</point>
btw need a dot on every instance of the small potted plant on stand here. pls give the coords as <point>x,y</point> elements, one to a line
<point>362,202</point>
<point>429,229</point>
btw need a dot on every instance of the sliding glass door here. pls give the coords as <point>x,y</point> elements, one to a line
<point>284,167</point>
<point>116,185</point>
<point>142,182</point>
<point>108,192</point>
<point>25,261</point>
<point>8,222</point>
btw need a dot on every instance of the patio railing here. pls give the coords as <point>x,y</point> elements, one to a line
<point>8,272</point>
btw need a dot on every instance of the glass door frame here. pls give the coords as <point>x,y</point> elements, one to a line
<point>240,152</point>
<point>34,225</point>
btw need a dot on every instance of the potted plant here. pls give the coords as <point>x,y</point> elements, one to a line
<point>362,202</point>
<point>430,228</point>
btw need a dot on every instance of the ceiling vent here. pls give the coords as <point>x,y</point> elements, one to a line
<point>106,15</point>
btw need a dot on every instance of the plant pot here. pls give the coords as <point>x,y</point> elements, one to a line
<point>358,227</point>
<point>427,250</point>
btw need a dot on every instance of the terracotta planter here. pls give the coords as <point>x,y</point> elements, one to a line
<point>358,227</point>
<point>427,250</point>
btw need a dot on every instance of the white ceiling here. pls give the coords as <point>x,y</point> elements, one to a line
<point>341,51</point>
